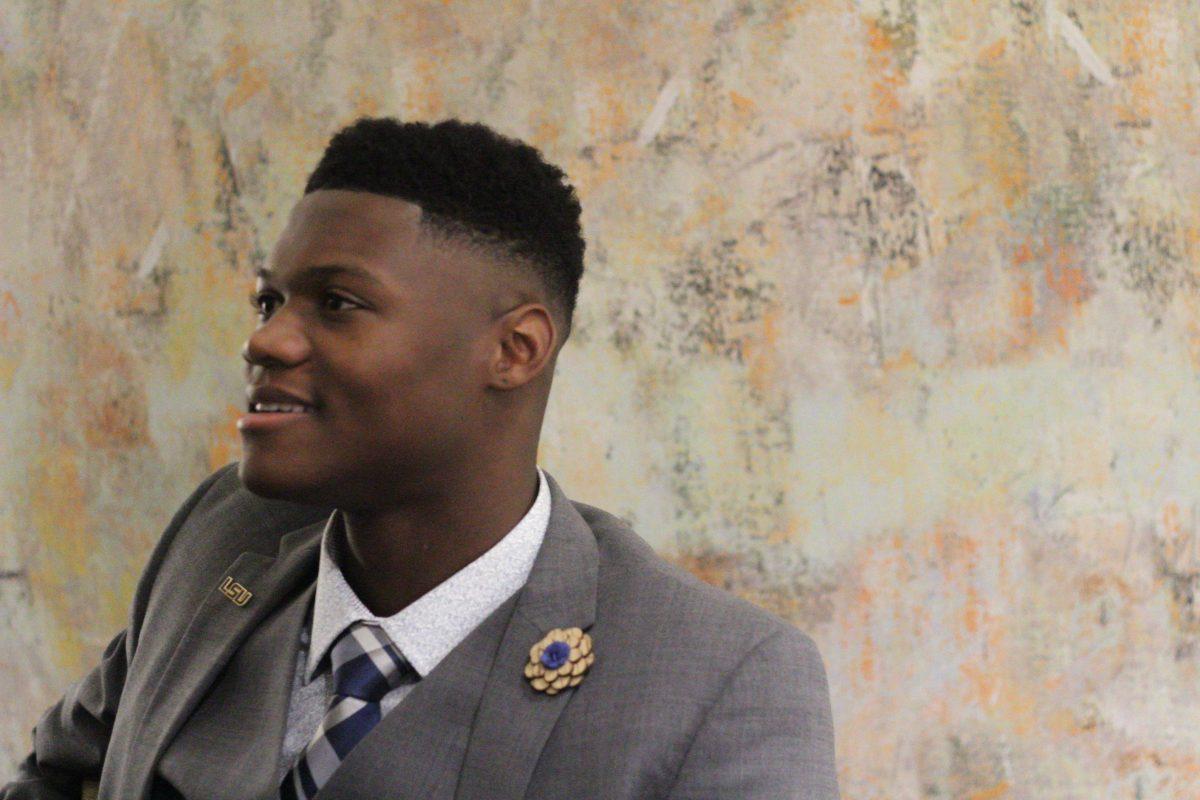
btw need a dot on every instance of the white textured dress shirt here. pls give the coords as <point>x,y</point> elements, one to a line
<point>424,631</point>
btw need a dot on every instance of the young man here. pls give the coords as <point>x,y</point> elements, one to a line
<point>387,597</point>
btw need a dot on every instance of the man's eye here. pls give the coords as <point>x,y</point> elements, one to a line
<point>264,303</point>
<point>331,301</point>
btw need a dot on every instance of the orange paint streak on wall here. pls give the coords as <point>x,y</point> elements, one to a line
<point>10,312</point>
<point>424,98</point>
<point>57,505</point>
<point>366,104</point>
<point>742,103</point>
<point>762,352</point>
<point>1068,280</point>
<point>971,611</point>
<point>1145,58</point>
<point>903,360</point>
<point>545,132</point>
<point>249,80</point>
<point>886,80</point>
<point>994,52</point>
<point>612,112</point>
<point>734,124</point>
<point>1023,306</point>
<point>1136,758</point>
<point>997,138</point>
<point>1023,254</point>
<point>712,208</point>
<point>225,439</point>
<point>1177,543</point>
<point>1001,789</point>
<point>865,600</point>
<point>866,664</point>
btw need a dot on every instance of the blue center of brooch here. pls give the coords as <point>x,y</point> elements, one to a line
<point>555,655</point>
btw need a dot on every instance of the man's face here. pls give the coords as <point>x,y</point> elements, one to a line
<point>380,330</point>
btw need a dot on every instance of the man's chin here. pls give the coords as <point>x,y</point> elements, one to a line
<point>280,484</point>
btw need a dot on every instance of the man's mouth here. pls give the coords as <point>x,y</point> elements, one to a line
<point>280,408</point>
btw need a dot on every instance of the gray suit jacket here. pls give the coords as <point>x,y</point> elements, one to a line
<point>693,694</point>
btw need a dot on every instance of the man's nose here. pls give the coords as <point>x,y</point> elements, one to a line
<point>278,343</point>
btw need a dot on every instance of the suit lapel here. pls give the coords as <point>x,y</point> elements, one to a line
<point>514,721</point>
<point>241,598</point>
<point>211,758</point>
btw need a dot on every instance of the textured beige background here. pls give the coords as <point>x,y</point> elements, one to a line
<point>891,324</point>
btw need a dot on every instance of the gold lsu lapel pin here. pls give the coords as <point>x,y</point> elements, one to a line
<point>237,593</point>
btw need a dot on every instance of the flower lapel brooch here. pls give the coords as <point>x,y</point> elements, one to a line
<point>559,660</point>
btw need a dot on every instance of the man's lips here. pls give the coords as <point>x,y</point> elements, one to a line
<point>272,407</point>
<point>281,408</point>
<point>272,420</point>
<point>277,399</point>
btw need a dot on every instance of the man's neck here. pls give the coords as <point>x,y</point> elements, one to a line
<point>392,557</point>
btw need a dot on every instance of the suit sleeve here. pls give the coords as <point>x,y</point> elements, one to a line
<point>70,741</point>
<point>770,732</point>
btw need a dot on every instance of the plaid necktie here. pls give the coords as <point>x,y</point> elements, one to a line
<point>366,666</point>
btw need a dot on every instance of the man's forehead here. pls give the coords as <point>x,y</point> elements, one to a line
<point>386,236</point>
<point>361,213</point>
<point>352,223</point>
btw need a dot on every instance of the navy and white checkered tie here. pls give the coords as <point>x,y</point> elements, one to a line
<point>366,666</point>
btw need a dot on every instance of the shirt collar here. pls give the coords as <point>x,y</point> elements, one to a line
<point>433,625</point>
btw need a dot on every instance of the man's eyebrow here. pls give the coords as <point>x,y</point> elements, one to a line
<point>323,271</point>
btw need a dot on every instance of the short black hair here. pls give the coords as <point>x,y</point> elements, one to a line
<point>468,181</point>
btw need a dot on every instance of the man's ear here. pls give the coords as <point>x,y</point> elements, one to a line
<point>525,339</point>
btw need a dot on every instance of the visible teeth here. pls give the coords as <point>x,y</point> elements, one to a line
<point>286,408</point>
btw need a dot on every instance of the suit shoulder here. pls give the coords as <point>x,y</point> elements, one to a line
<point>633,575</point>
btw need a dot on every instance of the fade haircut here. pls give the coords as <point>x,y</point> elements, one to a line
<point>470,182</point>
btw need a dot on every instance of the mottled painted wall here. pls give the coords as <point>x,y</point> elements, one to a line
<point>892,325</point>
